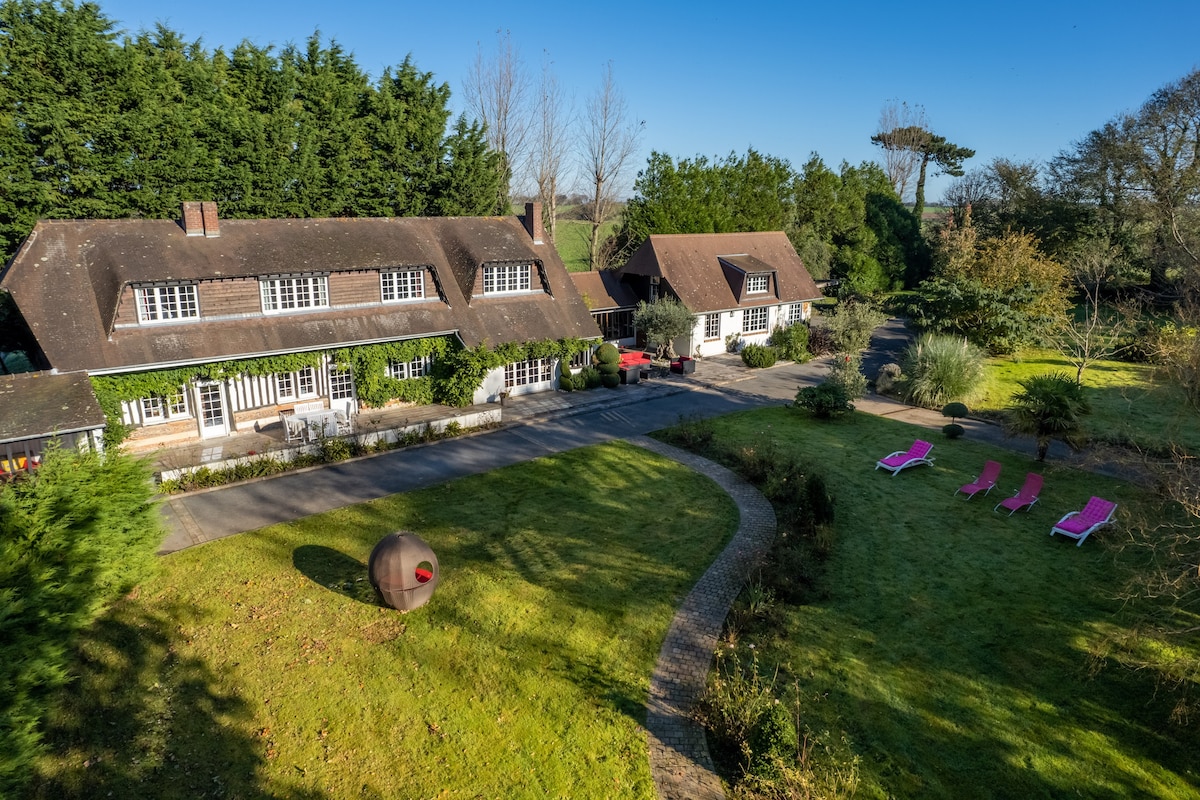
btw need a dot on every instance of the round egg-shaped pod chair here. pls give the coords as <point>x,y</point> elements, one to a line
<point>404,570</point>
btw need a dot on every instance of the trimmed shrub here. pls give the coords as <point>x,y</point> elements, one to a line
<point>824,401</point>
<point>605,368</point>
<point>942,368</point>
<point>953,430</point>
<point>609,381</point>
<point>759,356</point>
<point>566,381</point>
<point>955,410</point>
<point>791,342</point>
<point>607,354</point>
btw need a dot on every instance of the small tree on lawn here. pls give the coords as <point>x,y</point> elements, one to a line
<point>664,321</point>
<point>1049,407</point>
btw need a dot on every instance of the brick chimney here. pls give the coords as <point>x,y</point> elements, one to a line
<point>208,212</point>
<point>533,222</point>
<point>200,219</point>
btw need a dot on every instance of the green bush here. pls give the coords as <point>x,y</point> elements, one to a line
<point>759,356</point>
<point>606,368</point>
<point>607,354</point>
<point>825,401</point>
<point>846,371</point>
<point>791,342</point>
<point>953,430</point>
<point>773,741</point>
<point>819,502</point>
<point>942,368</point>
<point>609,381</point>
<point>589,377</point>
<point>955,410</point>
<point>566,381</point>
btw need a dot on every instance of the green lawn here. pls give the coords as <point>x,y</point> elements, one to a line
<point>949,649</point>
<point>1129,404</point>
<point>261,665</point>
<point>572,239</point>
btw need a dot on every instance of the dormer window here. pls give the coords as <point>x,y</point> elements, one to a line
<point>507,278</point>
<point>757,284</point>
<point>290,294</point>
<point>401,285</point>
<point>167,303</point>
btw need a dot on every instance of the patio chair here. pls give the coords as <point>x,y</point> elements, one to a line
<point>344,425</point>
<point>1079,524</point>
<point>984,482</point>
<point>917,454</point>
<point>294,429</point>
<point>1025,497</point>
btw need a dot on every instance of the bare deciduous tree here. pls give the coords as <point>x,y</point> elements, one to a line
<point>551,145</point>
<point>610,139</point>
<point>495,90</point>
<point>1095,332</point>
<point>902,161</point>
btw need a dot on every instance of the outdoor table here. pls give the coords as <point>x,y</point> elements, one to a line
<point>319,422</point>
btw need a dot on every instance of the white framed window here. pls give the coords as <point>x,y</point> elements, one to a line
<point>167,303</point>
<point>712,326</point>
<point>295,385</point>
<point>795,313</point>
<point>757,284</point>
<point>165,408</point>
<point>402,285</point>
<point>523,373</point>
<point>341,384</point>
<point>507,278</point>
<point>402,370</point>
<point>289,294</point>
<point>754,320</point>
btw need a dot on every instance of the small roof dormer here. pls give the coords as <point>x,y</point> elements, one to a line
<point>749,278</point>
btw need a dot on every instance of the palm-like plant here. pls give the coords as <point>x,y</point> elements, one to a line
<point>1050,407</point>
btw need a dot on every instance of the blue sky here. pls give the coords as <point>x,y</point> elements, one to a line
<point>1018,80</point>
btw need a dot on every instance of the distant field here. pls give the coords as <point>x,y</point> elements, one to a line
<point>572,242</point>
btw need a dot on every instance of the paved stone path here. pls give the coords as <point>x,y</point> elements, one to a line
<point>680,763</point>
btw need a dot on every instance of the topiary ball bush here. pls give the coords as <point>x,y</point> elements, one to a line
<point>757,356</point>
<point>607,354</point>
<point>566,381</point>
<point>609,381</point>
<point>953,430</point>
<point>955,410</point>
<point>606,368</point>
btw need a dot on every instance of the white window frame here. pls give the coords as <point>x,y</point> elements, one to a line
<point>405,370</point>
<point>296,293</point>
<point>507,279</point>
<point>795,313</point>
<point>758,284</point>
<point>527,373</point>
<point>297,385</point>
<point>167,303</point>
<point>712,327</point>
<point>758,311</point>
<point>341,384</point>
<point>400,286</point>
<point>158,409</point>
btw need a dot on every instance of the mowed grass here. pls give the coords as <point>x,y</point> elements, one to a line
<point>262,666</point>
<point>571,240</point>
<point>1130,404</point>
<point>952,651</point>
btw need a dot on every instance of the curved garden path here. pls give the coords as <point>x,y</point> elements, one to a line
<point>679,759</point>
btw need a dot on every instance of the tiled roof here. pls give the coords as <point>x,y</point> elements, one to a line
<point>39,404</point>
<point>68,276</point>
<point>603,291</point>
<point>690,265</point>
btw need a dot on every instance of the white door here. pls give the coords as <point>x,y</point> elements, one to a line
<point>214,420</point>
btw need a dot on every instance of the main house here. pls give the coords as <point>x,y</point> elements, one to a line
<point>740,286</point>
<point>254,316</point>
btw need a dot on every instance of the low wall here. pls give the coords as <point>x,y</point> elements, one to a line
<point>475,419</point>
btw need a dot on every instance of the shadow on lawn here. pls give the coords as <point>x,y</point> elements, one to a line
<point>335,571</point>
<point>141,720</point>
